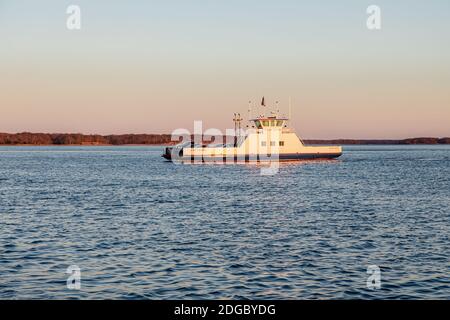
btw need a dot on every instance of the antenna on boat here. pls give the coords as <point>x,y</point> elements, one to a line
<point>249,111</point>
<point>239,119</point>
<point>290,110</point>
<point>235,124</point>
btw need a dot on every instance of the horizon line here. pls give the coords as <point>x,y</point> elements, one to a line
<point>168,134</point>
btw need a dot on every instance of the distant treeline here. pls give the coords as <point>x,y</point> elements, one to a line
<point>403,141</point>
<point>27,138</point>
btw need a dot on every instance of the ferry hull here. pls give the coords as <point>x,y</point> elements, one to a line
<point>280,157</point>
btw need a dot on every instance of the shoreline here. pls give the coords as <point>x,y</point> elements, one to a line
<point>306,142</point>
<point>77,139</point>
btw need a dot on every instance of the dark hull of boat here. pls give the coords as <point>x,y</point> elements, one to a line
<point>281,157</point>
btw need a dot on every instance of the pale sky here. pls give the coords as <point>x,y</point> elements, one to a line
<point>154,66</point>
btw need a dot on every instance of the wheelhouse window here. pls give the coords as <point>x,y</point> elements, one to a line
<point>272,143</point>
<point>268,123</point>
<point>263,144</point>
<point>281,143</point>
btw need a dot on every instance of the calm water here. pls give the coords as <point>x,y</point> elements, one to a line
<point>140,227</point>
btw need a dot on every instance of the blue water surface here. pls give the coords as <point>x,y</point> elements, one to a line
<point>139,227</point>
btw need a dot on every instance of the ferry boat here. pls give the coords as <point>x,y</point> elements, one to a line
<point>269,138</point>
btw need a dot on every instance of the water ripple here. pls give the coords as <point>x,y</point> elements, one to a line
<point>141,228</point>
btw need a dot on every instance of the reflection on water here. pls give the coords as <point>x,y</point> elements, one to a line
<point>140,227</point>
